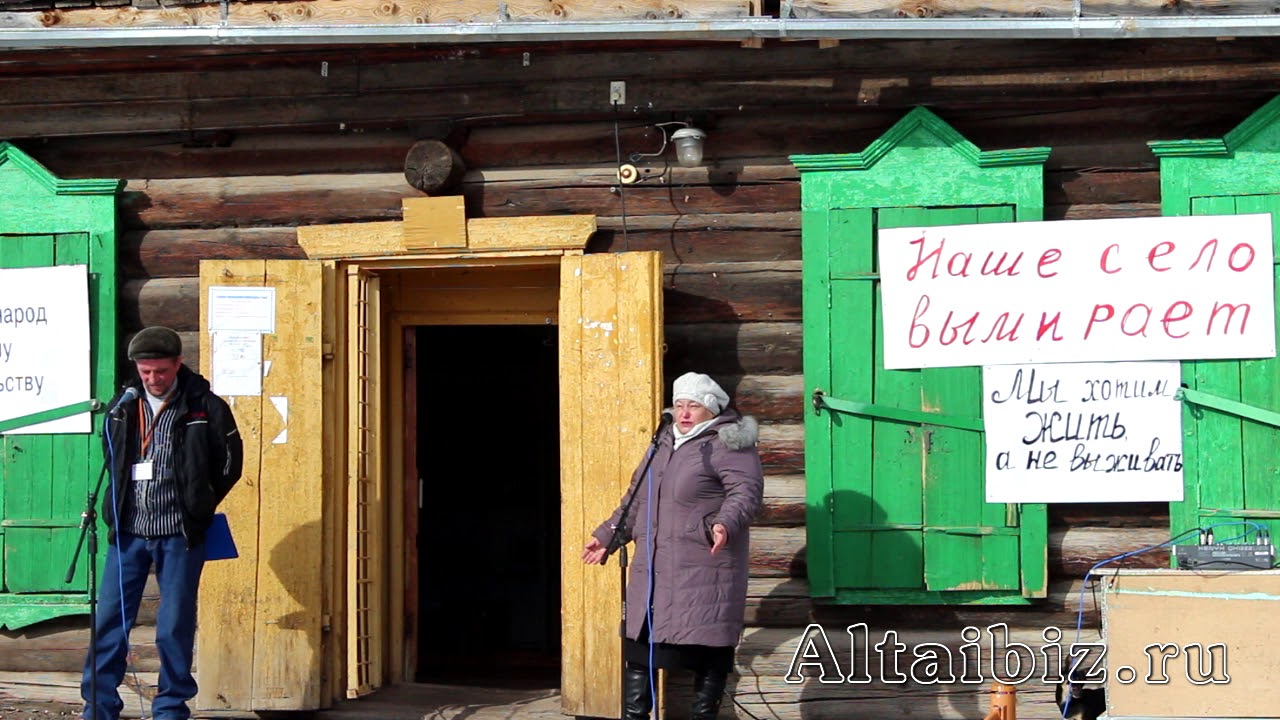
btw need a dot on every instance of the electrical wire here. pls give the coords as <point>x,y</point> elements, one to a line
<point>648,601</point>
<point>124,618</point>
<point>1066,704</point>
<point>622,193</point>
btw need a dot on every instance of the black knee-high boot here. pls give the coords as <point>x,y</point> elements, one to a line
<point>708,689</point>
<point>635,690</point>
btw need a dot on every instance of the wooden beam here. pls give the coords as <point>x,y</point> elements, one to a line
<point>337,13</point>
<point>434,223</point>
<point>563,232</point>
<point>351,239</point>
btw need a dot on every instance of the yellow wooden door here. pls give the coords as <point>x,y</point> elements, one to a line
<point>260,638</point>
<point>610,396</point>
<point>366,576</point>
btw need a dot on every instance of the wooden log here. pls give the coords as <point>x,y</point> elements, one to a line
<point>784,503</point>
<point>1075,187</point>
<point>785,602</point>
<point>171,302</point>
<point>1090,212</point>
<point>694,293</point>
<point>370,12</point>
<point>779,552</point>
<point>60,646</point>
<point>354,91</point>
<point>220,154</point>
<point>770,398</point>
<point>733,348</point>
<point>763,292</point>
<point>433,167</point>
<point>704,238</point>
<point>1021,8</point>
<point>640,199</point>
<point>177,253</point>
<point>264,200</point>
<point>782,448</point>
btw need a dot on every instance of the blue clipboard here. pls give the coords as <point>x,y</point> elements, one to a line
<point>218,543</point>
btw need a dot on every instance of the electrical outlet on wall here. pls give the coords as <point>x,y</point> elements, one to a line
<point>618,92</point>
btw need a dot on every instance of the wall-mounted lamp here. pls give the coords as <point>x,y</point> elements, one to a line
<point>688,141</point>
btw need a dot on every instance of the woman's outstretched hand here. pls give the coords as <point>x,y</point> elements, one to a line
<point>593,553</point>
<point>719,536</point>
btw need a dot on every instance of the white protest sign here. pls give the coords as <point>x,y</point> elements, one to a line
<point>1169,288</point>
<point>44,345</point>
<point>1083,432</point>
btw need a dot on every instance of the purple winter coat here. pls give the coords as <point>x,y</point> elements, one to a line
<point>698,598</point>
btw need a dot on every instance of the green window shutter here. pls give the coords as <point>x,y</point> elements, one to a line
<point>46,479</point>
<point>896,510</point>
<point>1231,469</point>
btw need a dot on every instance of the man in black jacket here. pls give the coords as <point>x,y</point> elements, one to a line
<point>174,453</point>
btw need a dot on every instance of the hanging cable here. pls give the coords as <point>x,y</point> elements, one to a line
<point>622,192</point>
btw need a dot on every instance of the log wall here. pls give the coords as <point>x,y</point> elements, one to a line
<point>225,154</point>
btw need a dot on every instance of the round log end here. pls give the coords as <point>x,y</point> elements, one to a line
<point>433,167</point>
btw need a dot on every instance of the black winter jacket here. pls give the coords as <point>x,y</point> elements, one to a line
<point>208,453</point>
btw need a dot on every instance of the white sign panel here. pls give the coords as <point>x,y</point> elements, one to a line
<point>1169,288</point>
<point>44,345</point>
<point>1083,432</point>
<point>237,363</point>
<point>242,309</point>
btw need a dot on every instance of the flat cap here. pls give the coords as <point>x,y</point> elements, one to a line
<point>155,342</point>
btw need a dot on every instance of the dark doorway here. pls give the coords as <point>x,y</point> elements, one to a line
<point>489,524</point>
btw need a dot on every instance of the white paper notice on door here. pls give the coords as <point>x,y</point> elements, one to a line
<point>237,363</point>
<point>242,309</point>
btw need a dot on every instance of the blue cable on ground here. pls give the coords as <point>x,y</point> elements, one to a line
<point>124,619</point>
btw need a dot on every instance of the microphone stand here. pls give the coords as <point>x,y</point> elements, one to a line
<point>618,543</point>
<point>89,529</point>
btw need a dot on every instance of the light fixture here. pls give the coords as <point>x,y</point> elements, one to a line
<point>688,141</point>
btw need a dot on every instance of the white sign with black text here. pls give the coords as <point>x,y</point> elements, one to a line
<point>44,345</point>
<point>1083,432</point>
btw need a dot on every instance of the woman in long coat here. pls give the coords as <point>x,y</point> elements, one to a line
<point>691,519</point>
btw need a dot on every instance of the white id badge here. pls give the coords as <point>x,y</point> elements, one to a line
<point>142,471</point>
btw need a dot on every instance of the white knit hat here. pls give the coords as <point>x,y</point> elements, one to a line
<point>700,389</point>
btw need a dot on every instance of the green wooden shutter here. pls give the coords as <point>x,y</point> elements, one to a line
<point>46,479</point>
<point>896,509</point>
<point>1231,469</point>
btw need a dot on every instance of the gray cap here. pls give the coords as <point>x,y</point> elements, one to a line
<point>155,342</point>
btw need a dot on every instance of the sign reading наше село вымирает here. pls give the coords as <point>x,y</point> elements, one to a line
<point>1168,288</point>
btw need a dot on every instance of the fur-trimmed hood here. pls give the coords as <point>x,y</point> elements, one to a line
<point>740,433</point>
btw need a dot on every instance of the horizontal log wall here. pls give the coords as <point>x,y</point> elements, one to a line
<point>224,160</point>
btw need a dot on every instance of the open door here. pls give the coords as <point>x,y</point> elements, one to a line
<point>610,319</point>
<point>366,585</point>
<point>262,615</point>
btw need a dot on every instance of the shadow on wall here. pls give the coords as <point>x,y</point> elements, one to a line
<point>786,637</point>
<point>295,561</point>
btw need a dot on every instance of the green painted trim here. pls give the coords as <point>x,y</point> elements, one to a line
<point>926,597</point>
<point>1231,407</point>
<point>921,117</point>
<point>47,416</point>
<point>1261,119</point>
<point>1188,148</point>
<point>1240,514</point>
<point>891,413</point>
<point>19,611</point>
<point>10,153</point>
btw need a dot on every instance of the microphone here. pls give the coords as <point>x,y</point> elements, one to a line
<point>667,418</point>
<point>130,393</point>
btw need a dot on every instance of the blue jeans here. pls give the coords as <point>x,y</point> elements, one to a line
<point>129,561</point>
